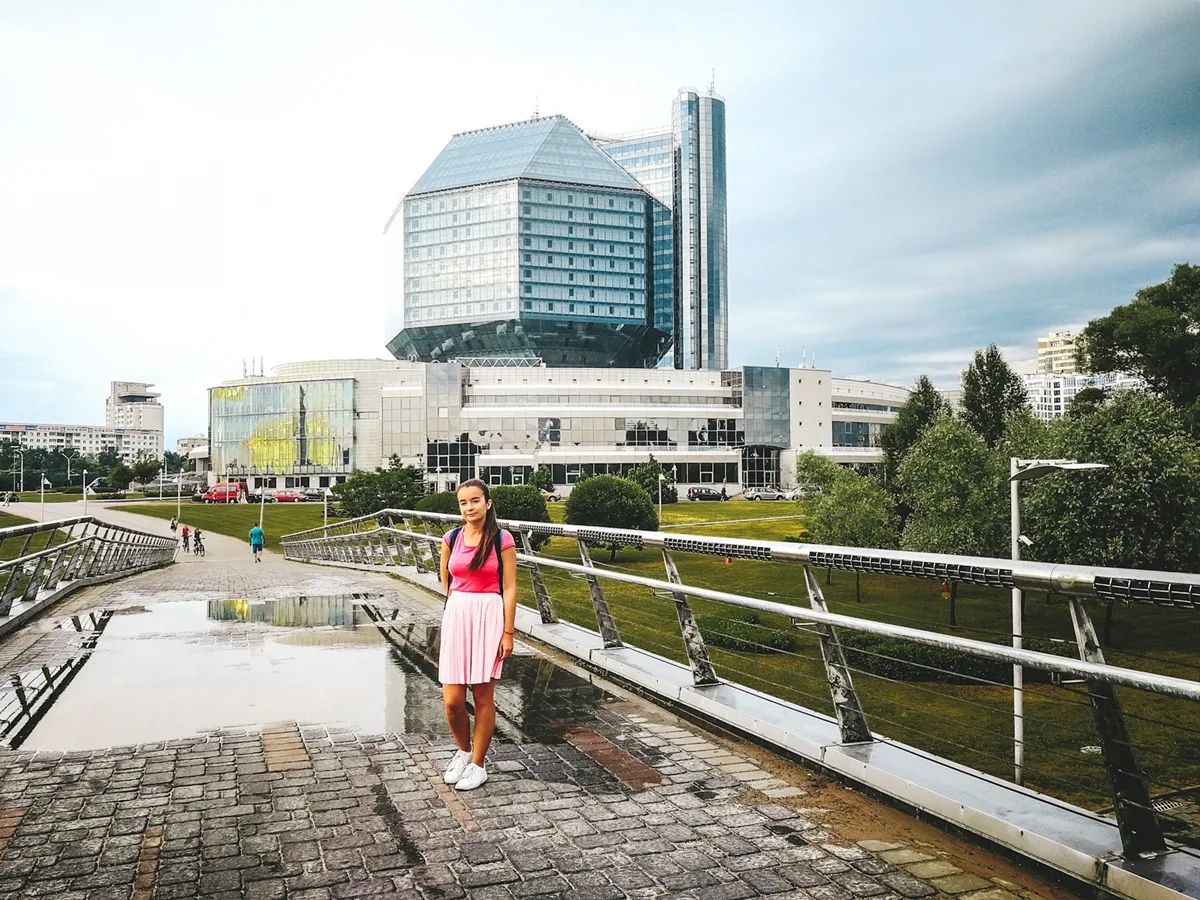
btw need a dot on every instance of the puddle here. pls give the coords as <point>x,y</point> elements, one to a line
<point>171,670</point>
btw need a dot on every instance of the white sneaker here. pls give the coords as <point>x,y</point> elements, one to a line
<point>472,778</point>
<point>457,765</point>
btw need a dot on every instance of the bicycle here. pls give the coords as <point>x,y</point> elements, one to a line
<point>198,546</point>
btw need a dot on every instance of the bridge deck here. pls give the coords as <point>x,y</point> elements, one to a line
<point>594,793</point>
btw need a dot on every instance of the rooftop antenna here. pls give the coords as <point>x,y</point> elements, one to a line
<point>536,105</point>
<point>243,367</point>
<point>261,370</point>
<point>777,356</point>
<point>803,357</point>
<point>712,85</point>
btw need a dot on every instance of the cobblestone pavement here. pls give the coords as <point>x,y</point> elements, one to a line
<point>593,794</point>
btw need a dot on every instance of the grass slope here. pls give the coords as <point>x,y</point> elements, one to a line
<point>236,519</point>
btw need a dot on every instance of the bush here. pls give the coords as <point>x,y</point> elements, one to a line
<point>441,502</point>
<point>110,495</point>
<point>71,489</point>
<point>522,502</point>
<point>363,493</point>
<point>646,476</point>
<point>610,502</point>
<point>745,632</point>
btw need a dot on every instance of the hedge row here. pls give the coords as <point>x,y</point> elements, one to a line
<point>884,656</point>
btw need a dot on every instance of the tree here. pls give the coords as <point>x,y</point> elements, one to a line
<point>916,414</point>
<point>957,490</point>
<point>1086,401</point>
<point>542,478</point>
<point>119,477</point>
<point>1142,513</point>
<point>816,473</point>
<point>1025,436</point>
<point>855,512</point>
<point>174,462</point>
<point>645,475</point>
<point>144,470</point>
<point>108,458</point>
<point>1155,336</point>
<point>396,487</point>
<point>521,503</point>
<point>611,502</point>
<point>990,392</point>
<point>442,502</point>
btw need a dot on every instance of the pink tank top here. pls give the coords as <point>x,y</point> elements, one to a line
<point>478,581</point>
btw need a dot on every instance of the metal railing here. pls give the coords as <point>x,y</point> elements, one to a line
<point>404,538</point>
<point>45,556</point>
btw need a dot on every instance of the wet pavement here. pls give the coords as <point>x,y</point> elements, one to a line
<point>275,731</point>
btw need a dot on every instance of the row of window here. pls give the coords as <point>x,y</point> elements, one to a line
<point>528,194</point>
<point>549,306</point>
<point>569,473</point>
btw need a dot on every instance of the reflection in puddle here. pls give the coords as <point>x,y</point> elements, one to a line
<point>171,670</point>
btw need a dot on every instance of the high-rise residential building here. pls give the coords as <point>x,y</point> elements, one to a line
<point>1049,394</point>
<point>526,244</point>
<point>684,168</point>
<point>1056,354</point>
<point>131,404</point>
<point>532,243</point>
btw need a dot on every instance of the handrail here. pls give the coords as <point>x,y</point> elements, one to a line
<point>376,542</point>
<point>90,549</point>
<point>1161,588</point>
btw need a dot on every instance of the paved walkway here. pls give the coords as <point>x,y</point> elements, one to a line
<point>593,794</point>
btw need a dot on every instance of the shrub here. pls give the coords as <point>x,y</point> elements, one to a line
<point>441,502</point>
<point>522,502</point>
<point>363,493</point>
<point>645,475</point>
<point>745,632</point>
<point>610,502</point>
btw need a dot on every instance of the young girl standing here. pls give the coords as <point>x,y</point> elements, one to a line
<point>479,573</point>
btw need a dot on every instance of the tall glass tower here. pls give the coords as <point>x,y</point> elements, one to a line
<point>683,169</point>
<point>701,232</point>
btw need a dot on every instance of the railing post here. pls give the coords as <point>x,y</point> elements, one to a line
<point>851,719</point>
<point>608,625</point>
<point>545,606</point>
<point>417,547</point>
<point>693,640</point>
<point>12,583</point>
<point>1141,832</point>
<point>435,555</point>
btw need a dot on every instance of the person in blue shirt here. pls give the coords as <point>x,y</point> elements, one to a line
<point>256,542</point>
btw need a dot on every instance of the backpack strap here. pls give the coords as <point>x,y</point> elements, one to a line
<point>453,541</point>
<point>497,543</point>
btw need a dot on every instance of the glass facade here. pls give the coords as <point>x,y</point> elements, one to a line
<point>701,242</point>
<point>857,434</point>
<point>297,427</point>
<point>528,241</point>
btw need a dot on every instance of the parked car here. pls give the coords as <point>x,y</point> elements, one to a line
<point>764,493</point>
<point>550,496</point>
<point>317,495</point>
<point>290,496</point>
<point>257,497</point>
<point>224,492</point>
<point>705,493</point>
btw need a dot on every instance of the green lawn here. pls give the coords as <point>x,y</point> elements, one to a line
<point>12,548</point>
<point>35,497</point>
<point>236,519</point>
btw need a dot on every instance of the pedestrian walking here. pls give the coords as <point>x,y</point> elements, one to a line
<point>479,575</point>
<point>256,542</point>
<point>185,532</point>
<point>174,524</point>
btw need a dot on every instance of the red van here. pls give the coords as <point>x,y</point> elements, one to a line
<point>225,492</point>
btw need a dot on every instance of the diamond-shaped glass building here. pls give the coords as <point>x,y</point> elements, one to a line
<point>526,242</point>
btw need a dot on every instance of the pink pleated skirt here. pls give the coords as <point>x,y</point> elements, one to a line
<point>472,626</point>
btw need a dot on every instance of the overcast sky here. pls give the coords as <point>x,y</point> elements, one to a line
<point>186,185</point>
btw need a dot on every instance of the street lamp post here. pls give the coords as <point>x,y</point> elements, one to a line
<point>42,488</point>
<point>85,492</point>
<point>68,458</point>
<point>661,479</point>
<point>21,454</point>
<point>1026,470</point>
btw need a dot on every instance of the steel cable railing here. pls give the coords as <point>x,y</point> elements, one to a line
<point>44,556</point>
<point>812,666</point>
